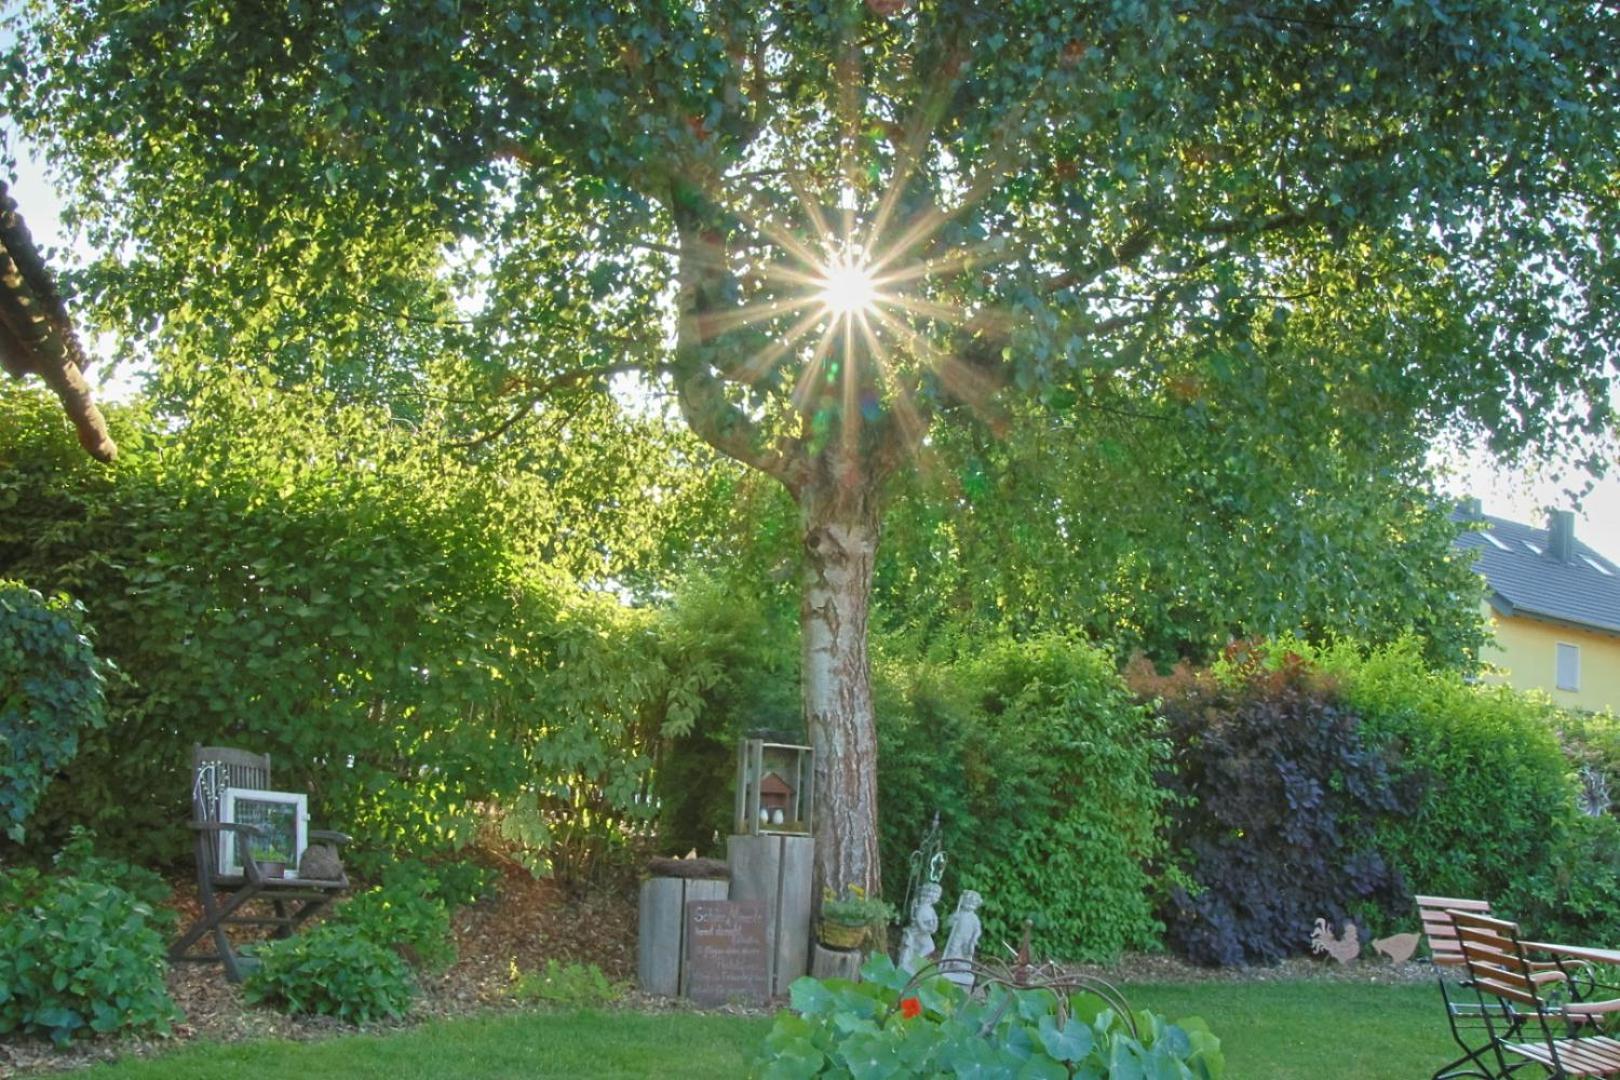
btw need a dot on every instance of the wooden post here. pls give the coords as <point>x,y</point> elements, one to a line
<point>836,963</point>
<point>779,870</point>
<point>662,925</point>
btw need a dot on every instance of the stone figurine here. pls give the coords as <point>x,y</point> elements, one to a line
<point>963,941</point>
<point>917,945</point>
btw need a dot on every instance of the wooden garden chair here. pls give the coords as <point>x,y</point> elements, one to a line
<point>226,896</point>
<point>1464,1013</point>
<point>1518,1016</point>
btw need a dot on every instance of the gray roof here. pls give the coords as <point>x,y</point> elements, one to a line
<point>1583,592</point>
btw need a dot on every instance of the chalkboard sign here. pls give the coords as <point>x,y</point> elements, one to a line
<point>727,959</point>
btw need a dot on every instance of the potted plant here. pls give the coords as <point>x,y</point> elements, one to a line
<point>847,920</point>
<point>272,862</point>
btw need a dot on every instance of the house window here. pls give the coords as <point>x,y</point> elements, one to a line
<point>1569,666</point>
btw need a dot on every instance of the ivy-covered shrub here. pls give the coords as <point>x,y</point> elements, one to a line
<point>1042,769</point>
<point>1280,799</point>
<point>867,1029</point>
<point>51,690</point>
<point>332,970</point>
<point>78,954</point>
<point>415,925</point>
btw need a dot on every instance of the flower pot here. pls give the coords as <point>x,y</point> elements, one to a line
<point>843,935</point>
<point>271,869</point>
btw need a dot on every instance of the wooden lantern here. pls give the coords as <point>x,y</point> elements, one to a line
<point>775,787</point>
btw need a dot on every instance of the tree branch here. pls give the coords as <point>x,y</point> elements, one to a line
<point>539,391</point>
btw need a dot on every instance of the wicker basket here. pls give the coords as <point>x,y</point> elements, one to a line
<point>842,935</point>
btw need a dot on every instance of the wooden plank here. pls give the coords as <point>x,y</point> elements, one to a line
<point>1450,903</point>
<point>778,870</point>
<point>658,936</point>
<point>791,955</point>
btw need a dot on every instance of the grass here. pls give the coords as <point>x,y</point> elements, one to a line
<point>580,1044</point>
<point>1325,1031</point>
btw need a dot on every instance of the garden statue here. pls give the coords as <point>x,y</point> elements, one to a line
<point>963,942</point>
<point>917,945</point>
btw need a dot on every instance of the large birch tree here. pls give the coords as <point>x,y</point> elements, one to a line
<point>825,227</point>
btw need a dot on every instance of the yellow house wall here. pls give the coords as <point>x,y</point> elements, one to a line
<point>1527,652</point>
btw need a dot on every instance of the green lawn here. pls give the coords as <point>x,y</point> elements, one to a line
<point>1319,1031</point>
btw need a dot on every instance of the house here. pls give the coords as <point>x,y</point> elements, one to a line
<point>1553,604</point>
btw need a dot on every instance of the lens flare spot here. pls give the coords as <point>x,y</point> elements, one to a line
<point>847,287</point>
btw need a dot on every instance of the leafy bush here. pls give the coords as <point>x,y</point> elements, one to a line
<point>77,955</point>
<point>332,970</point>
<point>1042,769</point>
<point>455,884</point>
<point>1491,792</point>
<point>411,640</point>
<point>1280,799</point>
<point>866,1029</point>
<point>78,858</point>
<point>567,985</point>
<point>51,690</point>
<point>414,925</point>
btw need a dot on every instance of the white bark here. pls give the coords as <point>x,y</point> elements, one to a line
<point>840,541</point>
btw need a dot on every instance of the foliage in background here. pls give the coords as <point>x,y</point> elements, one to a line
<point>565,985</point>
<point>1235,525</point>
<point>842,1028</point>
<point>331,970</point>
<point>1043,771</point>
<point>52,692</point>
<point>739,651</point>
<point>1280,798</point>
<point>80,952</point>
<point>399,626</point>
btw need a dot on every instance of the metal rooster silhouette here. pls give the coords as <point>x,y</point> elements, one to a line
<point>1343,949</point>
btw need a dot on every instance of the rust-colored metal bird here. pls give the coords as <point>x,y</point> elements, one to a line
<point>1343,949</point>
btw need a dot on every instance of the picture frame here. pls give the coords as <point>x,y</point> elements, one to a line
<point>284,813</point>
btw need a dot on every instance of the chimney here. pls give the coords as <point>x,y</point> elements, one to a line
<point>1470,509</point>
<point>1561,536</point>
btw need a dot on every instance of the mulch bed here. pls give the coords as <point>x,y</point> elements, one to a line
<point>527,923</point>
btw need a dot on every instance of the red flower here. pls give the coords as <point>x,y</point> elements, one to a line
<point>910,1008</point>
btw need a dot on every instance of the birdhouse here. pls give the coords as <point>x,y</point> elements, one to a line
<point>775,786</point>
<point>775,795</point>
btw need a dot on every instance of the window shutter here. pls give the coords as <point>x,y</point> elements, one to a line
<point>1569,667</point>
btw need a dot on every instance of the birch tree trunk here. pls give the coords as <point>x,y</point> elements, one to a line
<point>840,530</point>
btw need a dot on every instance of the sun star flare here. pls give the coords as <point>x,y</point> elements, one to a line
<point>848,288</point>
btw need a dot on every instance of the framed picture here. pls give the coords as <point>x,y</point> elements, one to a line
<point>284,815</point>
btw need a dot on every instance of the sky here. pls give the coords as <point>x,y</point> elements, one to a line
<point>1518,496</point>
